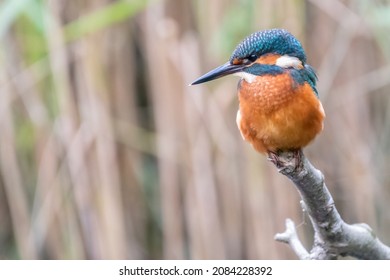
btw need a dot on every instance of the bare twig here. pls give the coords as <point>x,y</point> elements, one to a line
<point>290,237</point>
<point>333,237</point>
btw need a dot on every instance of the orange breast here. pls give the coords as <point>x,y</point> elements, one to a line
<point>276,114</point>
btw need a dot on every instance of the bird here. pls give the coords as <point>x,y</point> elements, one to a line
<point>279,106</point>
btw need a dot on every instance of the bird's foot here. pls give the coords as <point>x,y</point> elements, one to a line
<point>286,161</point>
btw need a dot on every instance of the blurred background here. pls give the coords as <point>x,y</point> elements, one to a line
<point>107,153</point>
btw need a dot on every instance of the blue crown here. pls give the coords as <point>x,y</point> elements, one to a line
<point>278,41</point>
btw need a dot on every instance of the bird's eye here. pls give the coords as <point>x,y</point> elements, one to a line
<point>249,59</point>
<point>252,57</point>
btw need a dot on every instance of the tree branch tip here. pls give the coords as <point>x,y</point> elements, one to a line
<point>291,238</point>
<point>288,234</point>
<point>290,224</point>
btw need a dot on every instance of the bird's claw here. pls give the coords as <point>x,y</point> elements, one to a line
<point>286,161</point>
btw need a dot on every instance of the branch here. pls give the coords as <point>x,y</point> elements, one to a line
<point>332,236</point>
<point>290,237</point>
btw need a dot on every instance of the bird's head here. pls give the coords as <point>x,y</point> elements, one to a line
<point>265,52</point>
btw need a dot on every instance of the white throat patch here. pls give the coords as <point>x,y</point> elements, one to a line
<point>249,78</point>
<point>286,61</point>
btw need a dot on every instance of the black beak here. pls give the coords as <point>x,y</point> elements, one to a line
<point>219,72</point>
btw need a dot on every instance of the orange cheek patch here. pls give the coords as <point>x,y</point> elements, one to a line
<point>268,59</point>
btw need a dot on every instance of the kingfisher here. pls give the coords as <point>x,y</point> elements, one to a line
<point>279,106</point>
